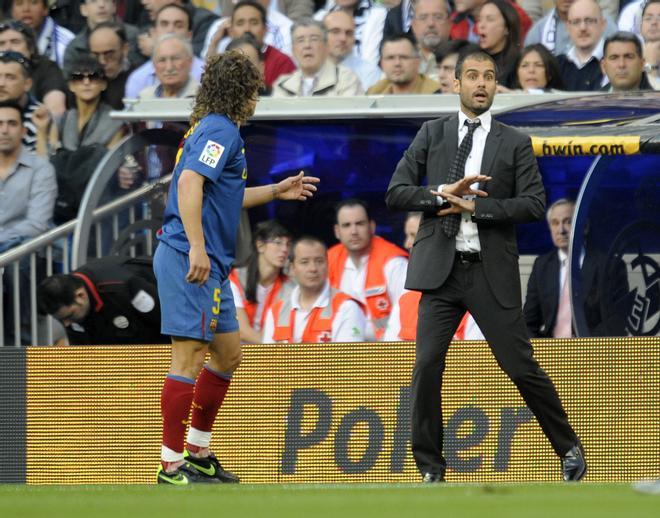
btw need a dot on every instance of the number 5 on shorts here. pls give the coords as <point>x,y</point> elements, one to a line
<point>216,299</point>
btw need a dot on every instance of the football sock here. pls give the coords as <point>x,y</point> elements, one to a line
<point>175,401</point>
<point>210,391</point>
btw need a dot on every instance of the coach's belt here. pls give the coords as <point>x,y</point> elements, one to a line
<point>468,257</point>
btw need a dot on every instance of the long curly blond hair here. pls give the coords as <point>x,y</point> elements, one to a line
<point>229,81</point>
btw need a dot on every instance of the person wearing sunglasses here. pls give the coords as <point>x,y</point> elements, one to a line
<point>52,39</point>
<point>89,122</point>
<point>48,85</point>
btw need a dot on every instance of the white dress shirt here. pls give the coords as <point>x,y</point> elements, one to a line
<point>355,276</point>
<point>347,326</point>
<point>467,239</point>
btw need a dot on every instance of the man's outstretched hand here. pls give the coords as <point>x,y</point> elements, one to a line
<point>299,187</point>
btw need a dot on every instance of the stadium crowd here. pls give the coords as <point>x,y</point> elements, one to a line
<point>64,65</point>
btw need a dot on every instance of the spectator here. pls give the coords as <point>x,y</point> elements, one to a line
<point>257,285</point>
<point>499,36</point>
<point>89,123</point>
<point>446,56</point>
<point>400,63</point>
<point>27,197</point>
<point>52,39</point>
<point>173,62</point>
<point>15,85</point>
<point>27,183</point>
<point>369,22</point>
<point>398,19</point>
<point>313,311</point>
<point>430,26</point>
<point>650,30</point>
<point>107,301</point>
<point>278,29</point>
<point>552,31</point>
<point>366,266</point>
<point>340,27</point>
<point>249,46</point>
<point>108,44</point>
<point>48,85</point>
<point>580,66</point>
<point>464,20</point>
<point>623,64</point>
<point>170,19</point>
<point>537,70</point>
<point>96,12</point>
<point>250,16</point>
<point>547,308</point>
<point>317,75</point>
<point>201,22</point>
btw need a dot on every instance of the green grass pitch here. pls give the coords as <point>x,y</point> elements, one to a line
<point>337,501</point>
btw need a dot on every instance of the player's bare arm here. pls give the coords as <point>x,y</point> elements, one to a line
<point>191,190</point>
<point>298,187</point>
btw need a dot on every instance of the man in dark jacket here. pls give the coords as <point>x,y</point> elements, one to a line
<point>112,300</point>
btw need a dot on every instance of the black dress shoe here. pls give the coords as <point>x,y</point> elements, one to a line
<point>433,478</point>
<point>573,465</point>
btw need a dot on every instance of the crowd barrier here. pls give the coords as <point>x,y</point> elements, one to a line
<point>328,413</point>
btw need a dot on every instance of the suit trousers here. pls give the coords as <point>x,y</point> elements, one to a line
<point>440,312</point>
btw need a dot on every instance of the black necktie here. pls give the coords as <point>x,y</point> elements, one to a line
<point>452,222</point>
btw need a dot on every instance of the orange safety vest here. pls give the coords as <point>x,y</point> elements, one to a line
<point>238,277</point>
<point>319,324</point>
<point>408,306</point>
<point>408,309</point>
<point>378,302</point>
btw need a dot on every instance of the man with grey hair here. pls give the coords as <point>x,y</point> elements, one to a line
<point>316,74</point>
<point>399,59</point>
<point>172,58</point>
<point>547,308</point>
<point>430,25</point>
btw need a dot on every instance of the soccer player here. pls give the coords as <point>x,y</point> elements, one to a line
<point>193,260</point>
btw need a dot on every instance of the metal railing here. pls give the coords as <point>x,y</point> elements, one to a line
<point>128,220</point>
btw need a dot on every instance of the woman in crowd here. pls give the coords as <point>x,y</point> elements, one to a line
<point>89,122</point>
<point>537,70</point>
<point>499,35</point>
<point>256,285</point>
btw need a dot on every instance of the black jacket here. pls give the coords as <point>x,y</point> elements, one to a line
<point>124,306</point>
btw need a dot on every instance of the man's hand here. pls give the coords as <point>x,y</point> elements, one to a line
<point>41,118</point>
<point>457,204</point>
<point>299,187</point>
<point>220,33</point>
<point>463,187</point>
<point>200,265</point>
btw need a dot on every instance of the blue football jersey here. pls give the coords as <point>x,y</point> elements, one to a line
<point>214,149</point>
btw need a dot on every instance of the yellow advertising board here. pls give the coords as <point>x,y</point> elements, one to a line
<point>335,413</point>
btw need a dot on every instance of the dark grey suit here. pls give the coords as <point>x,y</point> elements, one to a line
<point>489,289</point>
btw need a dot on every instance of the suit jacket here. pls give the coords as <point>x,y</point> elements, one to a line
<point>542,299</point>
<point>515,195</point>
<point>604,309</point>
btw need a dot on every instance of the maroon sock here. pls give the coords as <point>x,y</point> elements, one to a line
<point>175,401</point>
<point>210,391</point>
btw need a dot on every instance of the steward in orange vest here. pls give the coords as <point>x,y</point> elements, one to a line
<point>377,300</point>
<point>237,278</point>
<point>320,321</point>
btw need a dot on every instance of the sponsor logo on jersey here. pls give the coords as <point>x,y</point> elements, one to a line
<point>211,154</point>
